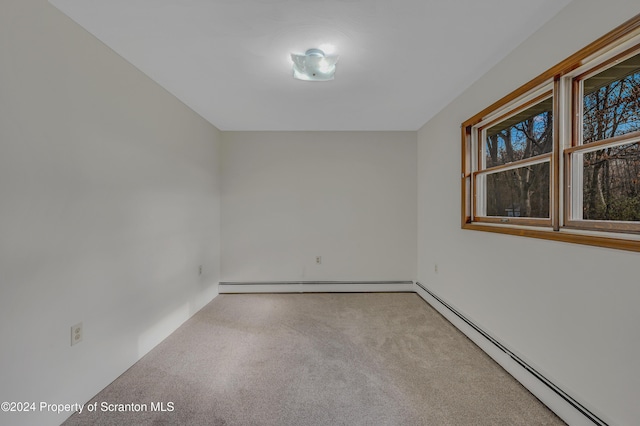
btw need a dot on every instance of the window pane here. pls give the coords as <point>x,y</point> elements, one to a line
<point>525,135</point>
<point>611,105</point>
<point>611,183</point>
<point>521,192</point>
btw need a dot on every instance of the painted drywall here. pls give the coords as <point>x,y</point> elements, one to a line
<point>288,197</point>
<point>570,311</point>
<point>109,203</point>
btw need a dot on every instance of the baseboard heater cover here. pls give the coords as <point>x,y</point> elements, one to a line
<point>548,383</point>
<point>310,282</point>
<point>314,286</point>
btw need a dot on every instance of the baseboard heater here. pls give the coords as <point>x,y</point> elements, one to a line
<point>314,286</point>
<point>575,404</point>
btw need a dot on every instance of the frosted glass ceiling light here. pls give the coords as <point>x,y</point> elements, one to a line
<point>314,65</point>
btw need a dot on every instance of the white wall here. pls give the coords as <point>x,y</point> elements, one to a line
<point>109,202</point>
<point>346,196</point>
<point>571,311</point>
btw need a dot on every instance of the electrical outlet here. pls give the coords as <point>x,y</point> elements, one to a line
<point>435,268</point>
<point>318,260</point>
<point>200,270</point>
<point>76,333</point>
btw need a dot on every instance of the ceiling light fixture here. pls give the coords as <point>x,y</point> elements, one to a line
<point>314,65</point>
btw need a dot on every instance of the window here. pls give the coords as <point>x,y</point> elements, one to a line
<point>560,157</point>
<point>513,176</point>
<point>603,163</point>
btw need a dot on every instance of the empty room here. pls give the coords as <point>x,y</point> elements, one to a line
<point>288,212</point>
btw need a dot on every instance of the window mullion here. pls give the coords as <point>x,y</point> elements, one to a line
<point>555,192</point>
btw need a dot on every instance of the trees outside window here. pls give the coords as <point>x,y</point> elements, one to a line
<point>521,140</point>
<point>611,111</point>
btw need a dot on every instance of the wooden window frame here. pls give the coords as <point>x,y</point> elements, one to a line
<point>566,142</point>
<point>577,146</point>
<point>535,97</point>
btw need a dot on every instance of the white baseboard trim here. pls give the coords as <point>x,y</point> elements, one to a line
<point>316,287</point>
<point>558,401</point>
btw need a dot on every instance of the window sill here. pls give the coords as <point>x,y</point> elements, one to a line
<point>590,238</point>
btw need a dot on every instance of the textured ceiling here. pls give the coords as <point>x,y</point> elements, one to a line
<point>401,61</point>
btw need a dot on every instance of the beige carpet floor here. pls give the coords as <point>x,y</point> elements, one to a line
<point>318,359</point>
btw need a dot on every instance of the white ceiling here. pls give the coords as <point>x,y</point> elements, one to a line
<point>401,61</point>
